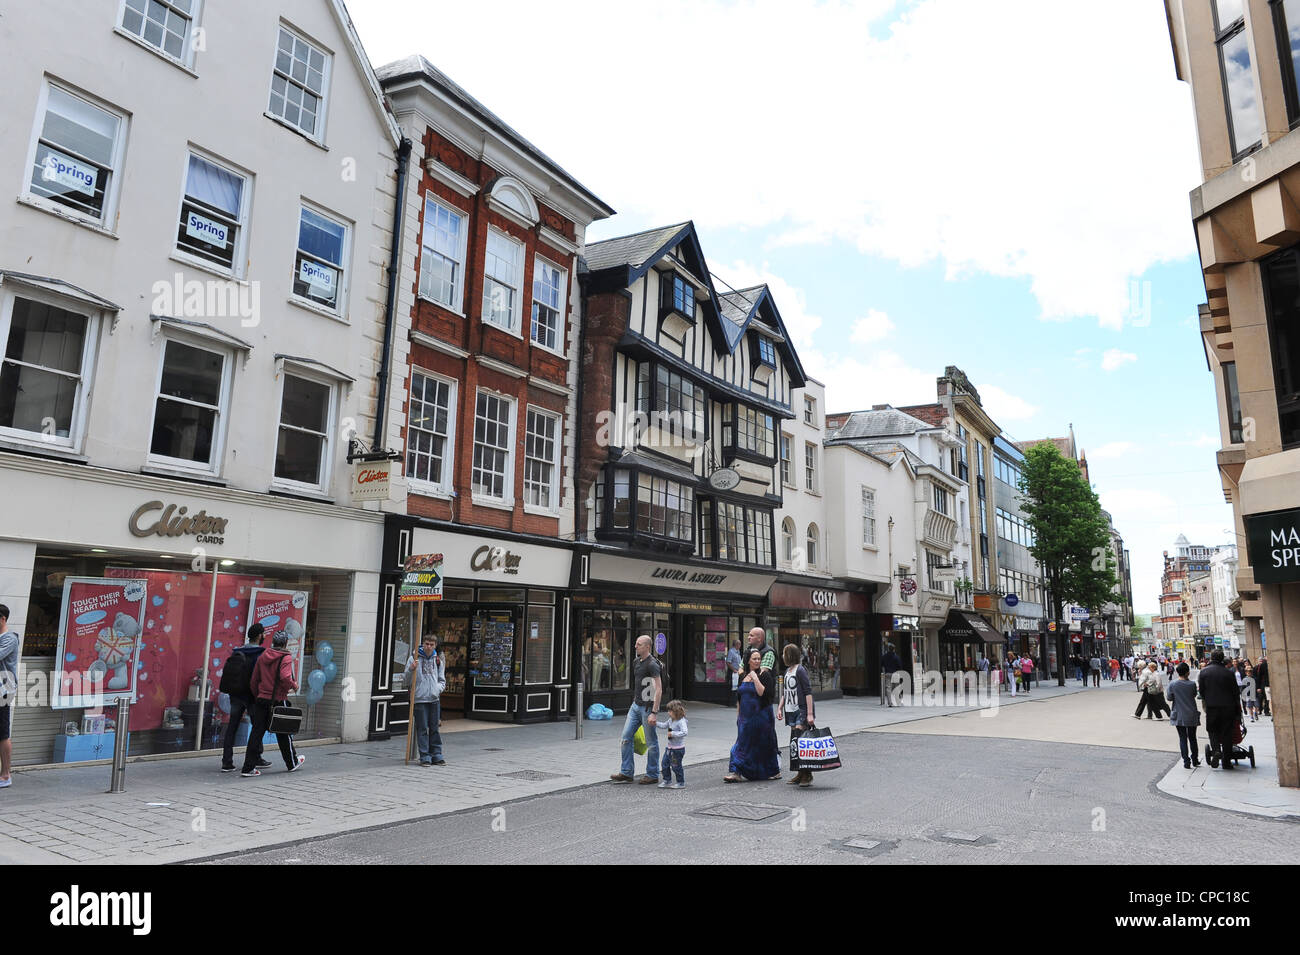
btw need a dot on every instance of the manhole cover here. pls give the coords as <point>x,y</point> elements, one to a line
<point>532,775</point>
<point>866,845</point>
<point>742,810</point>
<point>964,838</point>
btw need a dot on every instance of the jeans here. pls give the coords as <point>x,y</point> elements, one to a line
<point>1187,743</point>
<point>426,726</point>
<point>1078,674</point>
<point>797,718</point>
<point>672,764</point>
<point>638,715</point>
<point>238,708</point>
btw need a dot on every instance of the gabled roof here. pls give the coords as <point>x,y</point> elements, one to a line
<point>636,251</point>
<point>882,422</point>
<point>417,67</point>
<point>739,308</point>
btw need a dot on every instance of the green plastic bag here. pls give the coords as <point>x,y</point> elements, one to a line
<point>639,745</point>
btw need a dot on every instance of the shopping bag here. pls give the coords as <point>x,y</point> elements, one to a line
<point>815,750</point>
<point>639,745</point>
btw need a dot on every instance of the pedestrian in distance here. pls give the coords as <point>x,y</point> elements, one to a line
<point>675,747</point>
<point>430,681</point>
<point>273,680</point>
<point>1013,672</point>
<point>1114,670</point>
<point>236,683</point>
<point>1184,715</point>
<point>754,755</point>
<point>1027,670</point>
<point>9,645</point>
<point>1218,689</point>
<point>1250,694</point>
<point>733,667</point>
<point>889,665</point>
<point>1261,685</point>
<point>797,702</point>
<point>1151,685</point>
<point>643,714</point>
<point>1094,667</point>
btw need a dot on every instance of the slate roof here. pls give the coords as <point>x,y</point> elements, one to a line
<point>874,424</point>
<point>633,250</point>
<point>735,308</point>
<point>418,66</point>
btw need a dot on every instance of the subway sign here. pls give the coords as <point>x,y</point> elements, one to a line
<point>1273,545</point>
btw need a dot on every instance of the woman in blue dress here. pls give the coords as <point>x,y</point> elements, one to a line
<point>755,753</point>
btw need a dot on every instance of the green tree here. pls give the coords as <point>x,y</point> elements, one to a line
<point>1071,538</point>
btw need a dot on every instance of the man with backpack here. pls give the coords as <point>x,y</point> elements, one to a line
<point>236,677</point>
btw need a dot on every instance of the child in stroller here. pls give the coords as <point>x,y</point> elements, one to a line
<point>1237,753</point>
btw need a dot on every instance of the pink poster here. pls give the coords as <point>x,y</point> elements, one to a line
<point>283,611</point>
<point>99,641</point>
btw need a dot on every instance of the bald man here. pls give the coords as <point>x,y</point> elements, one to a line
<point>647,689</point>
<point>758,641</point>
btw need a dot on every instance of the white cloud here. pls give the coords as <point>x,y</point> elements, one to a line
<point>1003,406</point>
<point>855,384</point>
<point>1114,358</point>
<point>872,327</point>
<point>790,301</point>
<point>1116,449</point>
<point>954,134</point>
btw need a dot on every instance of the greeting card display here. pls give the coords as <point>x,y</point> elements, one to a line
<point>100,625</point>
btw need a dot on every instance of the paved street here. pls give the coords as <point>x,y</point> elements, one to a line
<point>1014,781</point>
<point>1023,802</point>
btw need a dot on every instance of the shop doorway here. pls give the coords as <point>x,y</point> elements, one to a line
<point>493,662</point>
<point>450,624</point>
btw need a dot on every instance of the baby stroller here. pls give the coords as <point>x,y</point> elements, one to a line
<point>1238,752</point>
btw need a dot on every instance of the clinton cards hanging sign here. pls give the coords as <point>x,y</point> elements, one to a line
<point>421,579</point>
<point>281,611</point>
<point>99,641</point>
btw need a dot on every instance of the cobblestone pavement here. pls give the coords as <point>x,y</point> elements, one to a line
<point>900,799</point>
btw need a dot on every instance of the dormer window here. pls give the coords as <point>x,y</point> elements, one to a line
<point>762,354</point>
<point>677,306</point>
<point>766,351</point>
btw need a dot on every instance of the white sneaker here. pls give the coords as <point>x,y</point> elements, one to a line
<point>663,784</point>
<point>677,786</point>
<point>298,765</point>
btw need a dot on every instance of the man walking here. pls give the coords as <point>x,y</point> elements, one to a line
<point>1094,666</point>
<point>890,664</point>
<point>429,684</point>
<point>1261,685</point>
<point>236,683</point>
<point>273,681</point>
<point>9,644</point>
<point>647,688</point>
<point>1218,689</point>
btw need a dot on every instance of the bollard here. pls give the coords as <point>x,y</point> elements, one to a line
<point>118,783</point>
<point>577,727</point>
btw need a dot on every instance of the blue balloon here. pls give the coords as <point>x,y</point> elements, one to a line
<point>331,670</point>
<point>316,679</point>
<point>314,696</point>
<point>324,652</point>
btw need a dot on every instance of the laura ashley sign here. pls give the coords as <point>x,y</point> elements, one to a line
<point>167,520</point>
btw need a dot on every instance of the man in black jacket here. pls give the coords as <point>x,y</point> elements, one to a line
<point>241,699</point>
<point>1261,684</point>
<point>1218,689</point>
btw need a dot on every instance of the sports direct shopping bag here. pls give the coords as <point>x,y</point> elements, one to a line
<point>817,751</point>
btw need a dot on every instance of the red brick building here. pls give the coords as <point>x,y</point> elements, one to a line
<point>496,228</point>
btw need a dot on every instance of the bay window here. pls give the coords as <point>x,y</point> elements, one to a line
<point>747,429</point>
<point>647,504</point>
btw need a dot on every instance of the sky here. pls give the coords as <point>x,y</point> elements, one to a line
<point>1001,186</point>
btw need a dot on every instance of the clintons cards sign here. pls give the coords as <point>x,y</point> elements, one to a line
<point>1273,543</point>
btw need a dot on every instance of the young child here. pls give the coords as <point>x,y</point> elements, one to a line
<point>675,750</point>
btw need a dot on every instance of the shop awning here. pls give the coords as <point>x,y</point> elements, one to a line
<point>965,627</point>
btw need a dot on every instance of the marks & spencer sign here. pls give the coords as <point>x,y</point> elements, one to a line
<point>1273,544</point>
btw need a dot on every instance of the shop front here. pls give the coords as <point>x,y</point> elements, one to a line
<point>500,613</point>
<point>693,613</point>
<point>830,627</point>
<point>963,639</point>
<point>139,588</point>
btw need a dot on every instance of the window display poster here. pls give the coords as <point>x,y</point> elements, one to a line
<point>100,624</point>
<point>715,649</point>
<point>282,611</point>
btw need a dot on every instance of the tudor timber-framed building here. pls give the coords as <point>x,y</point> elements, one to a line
<point>678,381</point>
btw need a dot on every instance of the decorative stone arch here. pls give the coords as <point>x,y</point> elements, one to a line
<point>511,198</point>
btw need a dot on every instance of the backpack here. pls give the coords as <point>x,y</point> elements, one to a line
<point>237,675</point>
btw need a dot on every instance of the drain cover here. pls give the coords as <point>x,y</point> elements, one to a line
<point>743,810</point>
<point>961,836</point>
<point>493,749</point>
<point>532,775</point>
<point>964,838</point>
<point>866,845</point>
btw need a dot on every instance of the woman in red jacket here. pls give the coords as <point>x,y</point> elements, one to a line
<point>273,680</point>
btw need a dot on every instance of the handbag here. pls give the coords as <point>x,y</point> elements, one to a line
<point>815,751</point>
<point>286,719</point>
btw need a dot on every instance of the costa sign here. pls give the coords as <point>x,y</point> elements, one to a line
<point>825,598</point>
<point>176,522</point>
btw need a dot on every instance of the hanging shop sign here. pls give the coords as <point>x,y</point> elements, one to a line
<point>1011,600</point>
<point>99,641</point>
<point>421,579</point>
<point>943,575</point>
<point>371,480</point>
<point>907,586</point>
<point>724,479</point>
<point>1273,543</point>
<point>282,611</point>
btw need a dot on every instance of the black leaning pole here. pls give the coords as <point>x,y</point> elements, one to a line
<point>1060,654</point>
